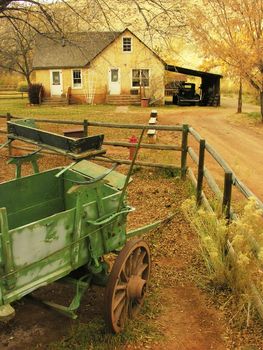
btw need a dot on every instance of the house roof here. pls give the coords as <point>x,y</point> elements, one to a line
<point>195,73</point>
<point>77,50</point>
<point>170,76</point>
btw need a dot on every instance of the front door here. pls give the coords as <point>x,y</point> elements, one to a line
<point>56,83</point>
<point>114,81</point>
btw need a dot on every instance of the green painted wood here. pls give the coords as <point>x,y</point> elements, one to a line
<point>8,259</point>
<point>77,231</point>
<point>23,128</point>
<point>38,282</point>
<point>49,234</point>
<point>37,212</point>
<point>92,170</point>
<point>30,190</point>
<point>35,241</point>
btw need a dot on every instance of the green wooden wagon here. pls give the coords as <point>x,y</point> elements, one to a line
<point>55,222</point>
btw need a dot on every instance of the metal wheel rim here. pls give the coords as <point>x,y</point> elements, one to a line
<point>127,284</point>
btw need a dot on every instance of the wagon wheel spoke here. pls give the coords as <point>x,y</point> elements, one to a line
<point>124,276</point>
<point>140,262</point>
<point>141,269</point>
<point>118,312</point>
<point>121,316</point>
<point>141,257</point>
<point>127,283</point>
<point>129,266</point>
<point>135,260</point>
<point>118,299</point>
<point>121,286</point>
<point>126,310</point>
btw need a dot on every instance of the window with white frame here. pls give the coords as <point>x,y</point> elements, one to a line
<point>140,77</point>
<point>126,44</point>
<point>77,78</point>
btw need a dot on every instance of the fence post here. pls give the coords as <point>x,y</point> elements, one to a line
<point>85,127</point>
<point>184,151</point>
<point>227,195</point>
<point>200,177</point>
<point>8,118</point>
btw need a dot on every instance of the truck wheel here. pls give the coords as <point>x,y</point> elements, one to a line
<point>127,284</point>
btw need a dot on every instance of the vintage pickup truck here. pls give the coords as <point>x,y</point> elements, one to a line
<point>186,95</point>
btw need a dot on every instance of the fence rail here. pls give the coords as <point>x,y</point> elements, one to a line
<point>11,93</point>
<point>8,87</point>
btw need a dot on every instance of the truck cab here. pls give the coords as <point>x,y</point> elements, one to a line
<point>186,95</point>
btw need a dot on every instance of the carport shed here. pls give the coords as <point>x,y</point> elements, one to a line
<point>210,84</point>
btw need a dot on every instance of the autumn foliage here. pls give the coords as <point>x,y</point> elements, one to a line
<point>232,32</point>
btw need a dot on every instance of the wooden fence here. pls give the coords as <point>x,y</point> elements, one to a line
<point>230,178</point>
<point>85,125</point>
<point>10,91</point>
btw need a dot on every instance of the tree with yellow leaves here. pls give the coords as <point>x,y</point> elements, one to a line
<point>232,32</point>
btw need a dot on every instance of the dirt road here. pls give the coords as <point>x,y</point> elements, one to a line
<point>239,142</point>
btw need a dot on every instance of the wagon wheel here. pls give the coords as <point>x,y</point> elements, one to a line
<point>127,284</point>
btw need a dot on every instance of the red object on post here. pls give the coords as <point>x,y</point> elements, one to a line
<point>132,139</point>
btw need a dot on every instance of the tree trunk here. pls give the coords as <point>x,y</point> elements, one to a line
<point>28,79</point>
<point>261,105</point>
<point>239,105</point>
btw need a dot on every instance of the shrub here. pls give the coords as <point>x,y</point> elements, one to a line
<point>33,93</point>
<point>232,253</point>
<point>212,234</point>
<point>246,237</point>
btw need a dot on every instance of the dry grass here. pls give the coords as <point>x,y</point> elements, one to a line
<point>233,253</point>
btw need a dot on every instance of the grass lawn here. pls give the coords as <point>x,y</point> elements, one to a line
<point>21,108</point>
